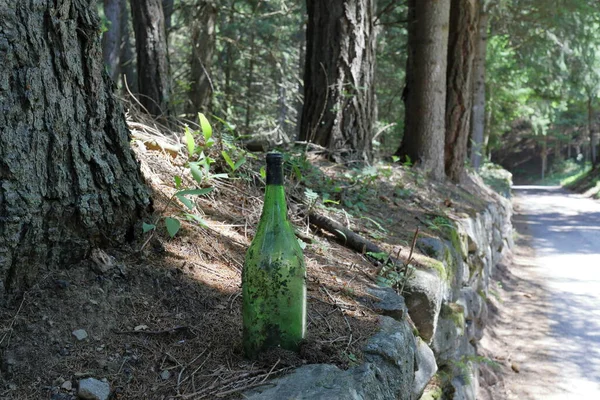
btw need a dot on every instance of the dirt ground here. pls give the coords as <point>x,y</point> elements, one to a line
<point>518,328</point>
<point>162,315</point>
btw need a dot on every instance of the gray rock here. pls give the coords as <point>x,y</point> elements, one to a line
<point>387,374</point>
<point>425,368</point>
<point>392,352</point>
<point>476,313</point>
<point>80,334</point>
<point>165,375</point>
<point>433,247</point>
<point>450,329</point>
<point>389,302</point>
<point>93,389</point>
<point>424,294</point>
<point>67,385</point>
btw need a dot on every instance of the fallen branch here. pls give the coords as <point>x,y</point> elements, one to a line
<point>347,237</point>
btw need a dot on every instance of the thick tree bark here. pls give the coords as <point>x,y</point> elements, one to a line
<point>459,92</point>
<point>152,56</point>
<point>425,91</point>
<point>68,179</point>
<point>339,92</point>
<point>478,112</point>
<point>111,39</point>
<point>203,47</point>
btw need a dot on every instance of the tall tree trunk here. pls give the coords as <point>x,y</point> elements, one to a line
<point>68,179</point>
<point>478,112</point>
<point>425,91</point>
<point>129,73</point>
<point>203,47</point>
<point>544,155</point>
<point>111,39</point>
<point>339,92</point>
<point>249,82</point>
<point>227,103</point>
<point>168,13</point>
<point>301,35</point>
<point>152,56</point>
<point>461,52</point>
<point>282,108</point>
<point>593,157</point>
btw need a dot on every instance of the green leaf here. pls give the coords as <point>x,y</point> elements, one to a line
<point>178,181</point>
<point>206,128</point>
<point>189,138</point>
<point>220,176</point>
<point>228,160</point>
<point>297,172</point>
<point>195,217</point>
<point>263,172</point>
<point>378,256</point>
<point>147,227</point>
<point>173,226</point>
<point>302,244</point>
<point>187,202</point>
<point>395,158</point>
<point>195,192</point>
<point>196,173</point>
<point>239,163</point>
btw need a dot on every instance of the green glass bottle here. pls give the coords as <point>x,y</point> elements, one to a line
<point>274,275</point>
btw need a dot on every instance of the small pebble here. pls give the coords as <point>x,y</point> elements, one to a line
<point>165,375</point>
<point>93,389</point>
<point>515,367</point>
<point>67,385</point>
<point>80,334</point>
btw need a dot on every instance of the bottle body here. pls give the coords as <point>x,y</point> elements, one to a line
<point>274,276</point>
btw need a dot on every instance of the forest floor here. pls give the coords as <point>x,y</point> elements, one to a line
<point>162,315</point>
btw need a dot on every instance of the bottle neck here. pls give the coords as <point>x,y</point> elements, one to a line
<point>275,207</point>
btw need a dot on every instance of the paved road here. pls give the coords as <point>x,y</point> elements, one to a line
<point>565,232</point>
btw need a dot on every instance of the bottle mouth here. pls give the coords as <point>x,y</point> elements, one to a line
<point>274,157</point>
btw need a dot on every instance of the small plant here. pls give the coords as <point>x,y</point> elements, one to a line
<point>199,166</point>
<point>438,223</point>
<point>393,273</point>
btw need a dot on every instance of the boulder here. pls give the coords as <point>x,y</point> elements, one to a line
<point>423,295</point>
<point>386,374</point>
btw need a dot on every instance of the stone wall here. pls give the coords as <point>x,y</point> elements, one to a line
<point>431,331</point>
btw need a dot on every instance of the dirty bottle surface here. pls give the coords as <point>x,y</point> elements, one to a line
<point>274,275</point>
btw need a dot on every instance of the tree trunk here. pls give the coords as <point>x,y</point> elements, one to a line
<point>203,47</point>
<point>425,91</point>
<point>301,64</point>
<point>593,145</point>
<point>227,103</point>
<point>461,52</point>
<point>339,92</point>
<point>544,155</point>
<point>249,82</point>
<point>167,6</point>
<point>152,56</point>
<point>68,179</point>
<point>478,111</point>
<point>129,73</point>
<point>111,39</point>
